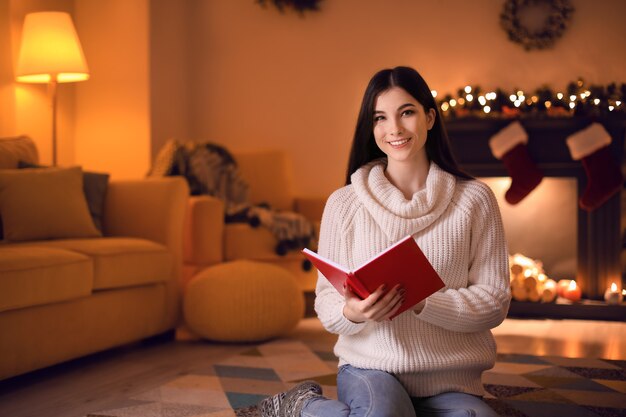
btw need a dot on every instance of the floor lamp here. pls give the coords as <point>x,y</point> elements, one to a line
<point>51,53</point>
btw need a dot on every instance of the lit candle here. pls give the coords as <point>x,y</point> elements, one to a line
<point>572,292</point>
<point>612,295</point>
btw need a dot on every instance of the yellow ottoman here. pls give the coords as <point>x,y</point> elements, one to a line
<point>243,301</point>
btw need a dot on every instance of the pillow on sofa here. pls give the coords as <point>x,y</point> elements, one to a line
<point>44,204</point>
<point>94,188</point>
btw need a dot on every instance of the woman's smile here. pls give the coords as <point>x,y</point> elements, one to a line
<point>398,143</point>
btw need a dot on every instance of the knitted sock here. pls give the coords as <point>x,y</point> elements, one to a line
<point>297,397</point>
<point>604,177</point>
<point>289,403</point>
<point>270,407</point>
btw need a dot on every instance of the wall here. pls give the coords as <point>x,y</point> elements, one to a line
<point>113,107</point>
<point>259,78</point>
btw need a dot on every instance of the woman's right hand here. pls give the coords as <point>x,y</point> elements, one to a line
<point>378,306</point>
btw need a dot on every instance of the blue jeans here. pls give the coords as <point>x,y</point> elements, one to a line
<point>371,393</point>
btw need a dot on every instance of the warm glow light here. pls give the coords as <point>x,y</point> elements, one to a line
<point>469,97</point>
<point>550,284</point>
<point>617,102</point>
<point>468,89</point>
<point>572,285</point>
<point>482,100</point>
<point>520,93</point>
<point>486,109</point>
<point>572,105</point>
<point>513,97</point>
<point>461,101</point>
<point>572,98</point>
<point>613,287</point>
<point>434,93</point>
<point>534,99</point>
<point>445,106</point>
<point>611,108</point>
<point>50,50</point>
<point>559,96</point>
<point>453,102</point>
<point>517,103</point>
<point>547,104</point>
<point>596,101</point>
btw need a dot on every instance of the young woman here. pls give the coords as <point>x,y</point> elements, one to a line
<point>403,180</point>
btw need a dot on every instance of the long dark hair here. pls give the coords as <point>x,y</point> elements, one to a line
<point>364,148</point>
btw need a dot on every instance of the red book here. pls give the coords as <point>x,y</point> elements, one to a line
<point>403,263</point>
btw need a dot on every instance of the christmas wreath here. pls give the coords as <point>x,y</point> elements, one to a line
<point>557,20</point>
<point>298,5</point>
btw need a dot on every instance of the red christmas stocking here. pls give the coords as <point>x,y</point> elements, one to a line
<point>509,145</point>
<point>604,177</point>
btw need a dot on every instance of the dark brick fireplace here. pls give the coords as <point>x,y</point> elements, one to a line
<point>599,241</point>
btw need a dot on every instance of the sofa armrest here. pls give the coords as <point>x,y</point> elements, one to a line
<point>310,207</point>
<point>204,231</point>
<point>152,209</point>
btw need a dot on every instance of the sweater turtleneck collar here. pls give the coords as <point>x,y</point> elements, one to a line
<point>394,214</point>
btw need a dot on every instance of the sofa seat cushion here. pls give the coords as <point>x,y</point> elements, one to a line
<point>241,241</point>
<point>121,262</point>
<point>34,275</point>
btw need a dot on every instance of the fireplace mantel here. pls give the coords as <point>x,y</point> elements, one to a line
<point>599,243</point>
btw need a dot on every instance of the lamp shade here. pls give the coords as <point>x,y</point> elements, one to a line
<point>50,50</point>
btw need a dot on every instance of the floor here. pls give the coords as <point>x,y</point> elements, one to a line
<point>84,385</point>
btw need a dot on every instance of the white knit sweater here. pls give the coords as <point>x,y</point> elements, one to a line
<point>458,226</point>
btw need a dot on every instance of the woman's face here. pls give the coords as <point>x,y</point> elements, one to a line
<point>401,125</point>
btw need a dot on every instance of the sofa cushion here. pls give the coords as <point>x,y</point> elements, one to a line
<point>121,262</point>
<point>15,149</point>
<point>44,204</point>
<point>94,188</point>
<point>41,275</point>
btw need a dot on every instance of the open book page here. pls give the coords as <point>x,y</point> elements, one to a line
<point>402,264</point>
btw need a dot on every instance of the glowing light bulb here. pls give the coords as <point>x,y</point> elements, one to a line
<point>611,108</point>
<point>520,93</point>
<point>482,100</point>
<point>517,103</point>
<point>513,97</point>
<point>596,101</point>
<point>453,102</point>
<point>434,93</point>
<point>468,89</point>
<point>461,101</point>
<point>486,109</point>
<point>572,105</point>
<point>572,98</point>
<point>618,103</point>
<point>548,104</point>
<point>559,96</point>
<point>445,106</point>
<point>469,97</point>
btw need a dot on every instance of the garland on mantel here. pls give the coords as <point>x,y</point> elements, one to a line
<point>577,100</point>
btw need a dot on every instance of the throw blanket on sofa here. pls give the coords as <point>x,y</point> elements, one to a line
<point>210,169</point>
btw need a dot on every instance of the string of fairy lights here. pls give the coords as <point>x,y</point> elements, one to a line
<point>577,99</point>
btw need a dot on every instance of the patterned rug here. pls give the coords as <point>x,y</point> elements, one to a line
<point>518,386</point>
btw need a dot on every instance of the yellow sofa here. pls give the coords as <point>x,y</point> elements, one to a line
<point>64,298</point>
<point>208,240</point>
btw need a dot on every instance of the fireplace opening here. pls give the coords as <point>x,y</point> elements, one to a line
<point>548,224</point>
<point>543,226</point>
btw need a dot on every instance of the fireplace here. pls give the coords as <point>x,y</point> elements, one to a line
<point>598,242</point>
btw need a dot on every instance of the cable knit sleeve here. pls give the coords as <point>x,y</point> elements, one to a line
<point>484,303</point>
<point>332,245</point>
